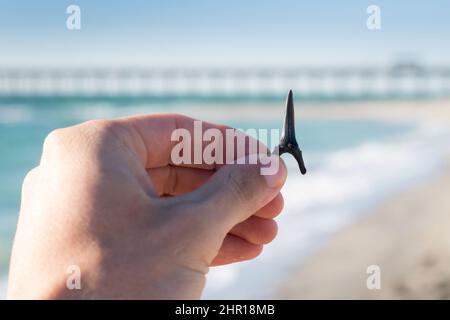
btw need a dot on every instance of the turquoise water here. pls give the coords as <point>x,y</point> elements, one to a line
<point>24,123</point>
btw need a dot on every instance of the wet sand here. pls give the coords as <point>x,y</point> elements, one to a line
<point>408,237</point>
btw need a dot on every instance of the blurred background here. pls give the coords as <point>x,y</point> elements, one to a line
<point>371,106</point>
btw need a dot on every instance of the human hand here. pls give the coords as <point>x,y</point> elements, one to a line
<point>107,198</point>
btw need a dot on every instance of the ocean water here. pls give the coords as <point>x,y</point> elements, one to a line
<point>352,166</point>
<point>341,186</point>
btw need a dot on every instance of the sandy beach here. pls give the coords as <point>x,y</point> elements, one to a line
<point>408,237</point>
<point>389,111</point>
<point>407,234</point>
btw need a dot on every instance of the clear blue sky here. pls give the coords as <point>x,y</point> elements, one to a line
<point>231,32</point>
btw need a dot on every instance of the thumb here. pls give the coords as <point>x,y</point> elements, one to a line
<point>236,191</point>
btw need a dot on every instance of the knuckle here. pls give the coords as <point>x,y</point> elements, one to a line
<point>95,128</point>
<point>102,130</point>
<point>54,139</point>
<point>241,186</point>
<point>57,143</point>
<point>70,138</point>
<point>237,186</point>
<point>98,124</point>
<point>30,178</point>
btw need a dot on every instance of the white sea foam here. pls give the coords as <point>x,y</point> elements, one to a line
<point>338,187</point>
<point>335,191</point>
<point>15,114</point>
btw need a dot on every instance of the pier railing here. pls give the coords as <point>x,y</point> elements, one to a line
<point>351,81</point>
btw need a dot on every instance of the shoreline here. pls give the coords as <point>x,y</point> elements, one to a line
<point>420,112</point>
<point>388,111</point>
<point>393,168</point>
<point>407,236</point>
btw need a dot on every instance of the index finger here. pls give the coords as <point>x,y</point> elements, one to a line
<point>155,135</point>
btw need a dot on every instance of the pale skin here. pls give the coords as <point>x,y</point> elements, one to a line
<point>107,198</point>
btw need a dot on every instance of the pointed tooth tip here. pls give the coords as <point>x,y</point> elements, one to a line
<point>290,98</point>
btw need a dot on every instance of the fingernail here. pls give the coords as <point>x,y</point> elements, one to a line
<point>275,174</point>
